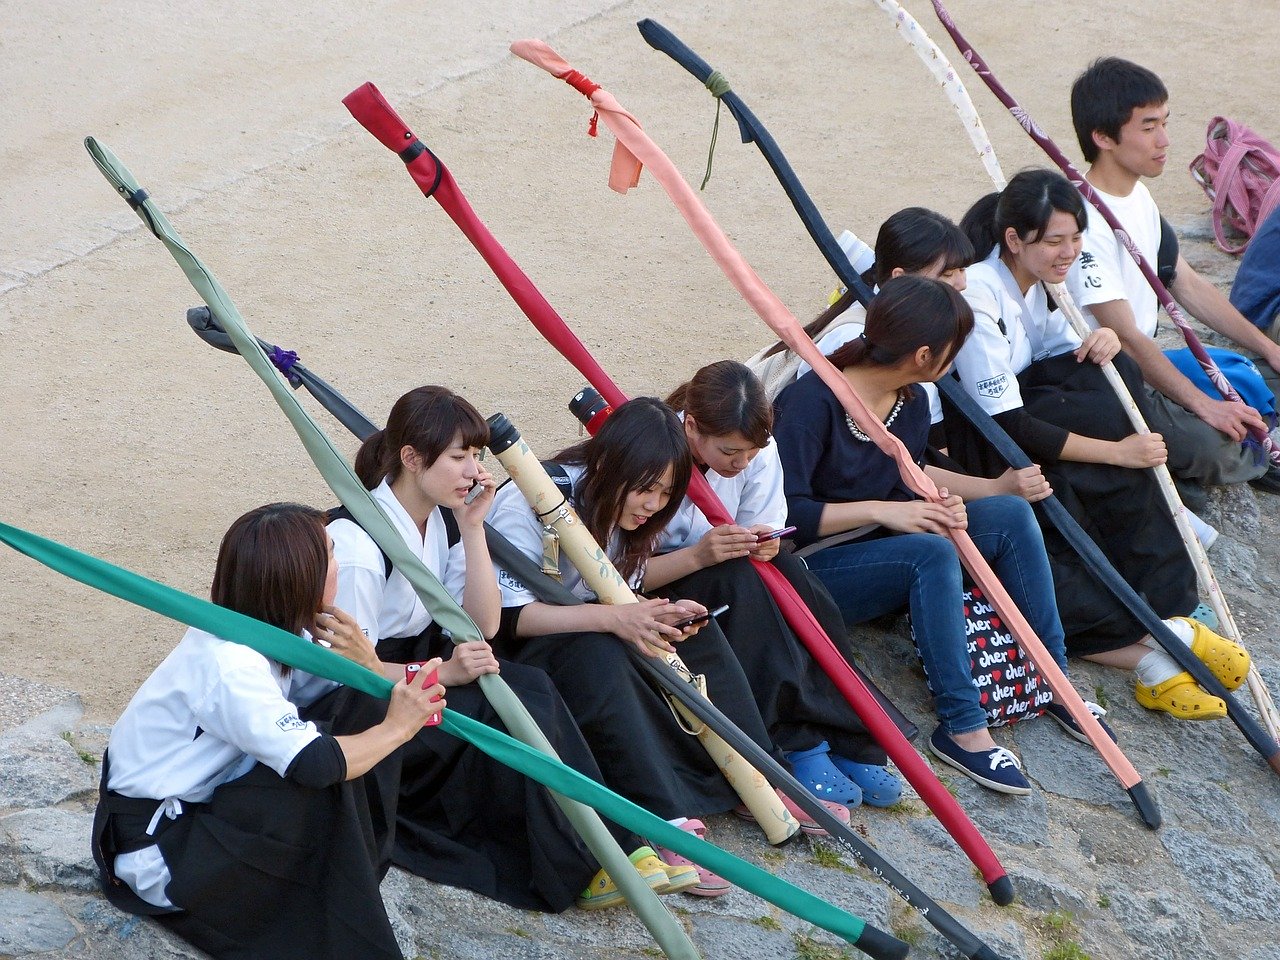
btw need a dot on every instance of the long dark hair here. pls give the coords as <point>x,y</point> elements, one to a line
<point>723,398</point>
<point>1026,204</point>
<point>634,448</point>
<point>272,566</point>
<point>910,312</point>
<point>427,419</point>
<point>913,239</point>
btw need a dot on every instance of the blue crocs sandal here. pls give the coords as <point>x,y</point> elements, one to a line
<point>996,769</point>
<point>1204,613</point>
<point>880,788</point>
<point>814,769</point>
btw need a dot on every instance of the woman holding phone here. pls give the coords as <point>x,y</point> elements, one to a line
<point>223,813</point>
<point>461,818</point>
<point>727,422</point>
<point>627,481</point>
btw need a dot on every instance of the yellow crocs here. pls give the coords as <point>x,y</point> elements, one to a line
<point>1181,697</point>
<point>603,892</point>
<point>1228,661</point>
<point>676,877</point>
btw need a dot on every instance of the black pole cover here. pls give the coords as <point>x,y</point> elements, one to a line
<point>662,39</point>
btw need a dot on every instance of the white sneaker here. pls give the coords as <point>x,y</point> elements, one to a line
<point>1206,534</point>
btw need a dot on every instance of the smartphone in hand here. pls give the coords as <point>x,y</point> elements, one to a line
<point>410,675</point>
<point>701,618</point>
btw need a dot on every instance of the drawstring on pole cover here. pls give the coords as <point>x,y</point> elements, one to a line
<point>718,84</point>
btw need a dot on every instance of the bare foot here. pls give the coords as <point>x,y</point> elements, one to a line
<point>975,741</point>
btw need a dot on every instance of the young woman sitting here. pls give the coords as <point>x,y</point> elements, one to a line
<point>837,480</point>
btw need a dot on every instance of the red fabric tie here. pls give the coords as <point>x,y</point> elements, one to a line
<point>583,84</point>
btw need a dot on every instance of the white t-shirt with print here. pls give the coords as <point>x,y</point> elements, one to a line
<point>1106,272</point>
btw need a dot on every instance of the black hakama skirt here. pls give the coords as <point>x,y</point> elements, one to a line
<point>465,820</point>
<point>643,753</point>
<point>799,703</point>
<point>1121,509</point>
<point>265,870</point>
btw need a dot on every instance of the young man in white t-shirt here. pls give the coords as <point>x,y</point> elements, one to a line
<point>1120,112</point>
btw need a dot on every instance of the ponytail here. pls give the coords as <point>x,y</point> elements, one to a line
<point>910,312</point>
<point>979,225</point>
<point>370,460</point>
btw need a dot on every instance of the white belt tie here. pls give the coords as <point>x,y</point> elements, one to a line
<point>170,807</point>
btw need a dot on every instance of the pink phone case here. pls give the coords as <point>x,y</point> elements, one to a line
<point>410,672</point>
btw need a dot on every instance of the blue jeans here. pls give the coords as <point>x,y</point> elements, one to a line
<point>870,579</point>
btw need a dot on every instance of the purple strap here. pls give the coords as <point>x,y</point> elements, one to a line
<point>284,360</point>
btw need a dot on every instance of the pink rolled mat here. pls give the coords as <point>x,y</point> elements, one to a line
<point>435,181</point>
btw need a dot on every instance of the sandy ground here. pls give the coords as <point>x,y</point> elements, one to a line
<point>126,437</point>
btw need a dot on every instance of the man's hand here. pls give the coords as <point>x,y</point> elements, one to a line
<point>1233,419</point>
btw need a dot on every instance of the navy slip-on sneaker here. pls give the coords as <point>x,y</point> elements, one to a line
<point>1068,722</point>
<point>996,769</point>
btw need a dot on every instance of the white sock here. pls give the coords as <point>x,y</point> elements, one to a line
<point>1206,534</point>
<point>1157,666</point>
<point>677,821</point>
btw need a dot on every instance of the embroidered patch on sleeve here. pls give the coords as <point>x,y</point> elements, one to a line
<point>510,582</point>
<point>291,721</point>
<point>994,386</point>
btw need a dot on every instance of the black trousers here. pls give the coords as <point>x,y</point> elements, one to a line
<point>643,753</point>
<point>1120,508</point>
<point>265,869</point>
<point>799,703</point>
<point>465,820</point>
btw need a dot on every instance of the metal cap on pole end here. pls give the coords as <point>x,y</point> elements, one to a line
<point>1146,805</point>
<point>590,408</point>
<point>503,434</point>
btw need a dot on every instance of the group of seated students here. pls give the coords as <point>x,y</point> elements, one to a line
<point>255,810</point>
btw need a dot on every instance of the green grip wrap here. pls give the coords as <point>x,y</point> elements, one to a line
<point>287,648</point>
<point>668,933</point>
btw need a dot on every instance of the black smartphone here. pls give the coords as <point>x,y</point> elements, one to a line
<point>703,618</point>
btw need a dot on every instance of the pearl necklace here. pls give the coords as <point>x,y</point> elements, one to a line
<point>888,421</point>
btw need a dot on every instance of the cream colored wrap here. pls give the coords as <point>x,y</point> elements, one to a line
<point>598,571</point>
